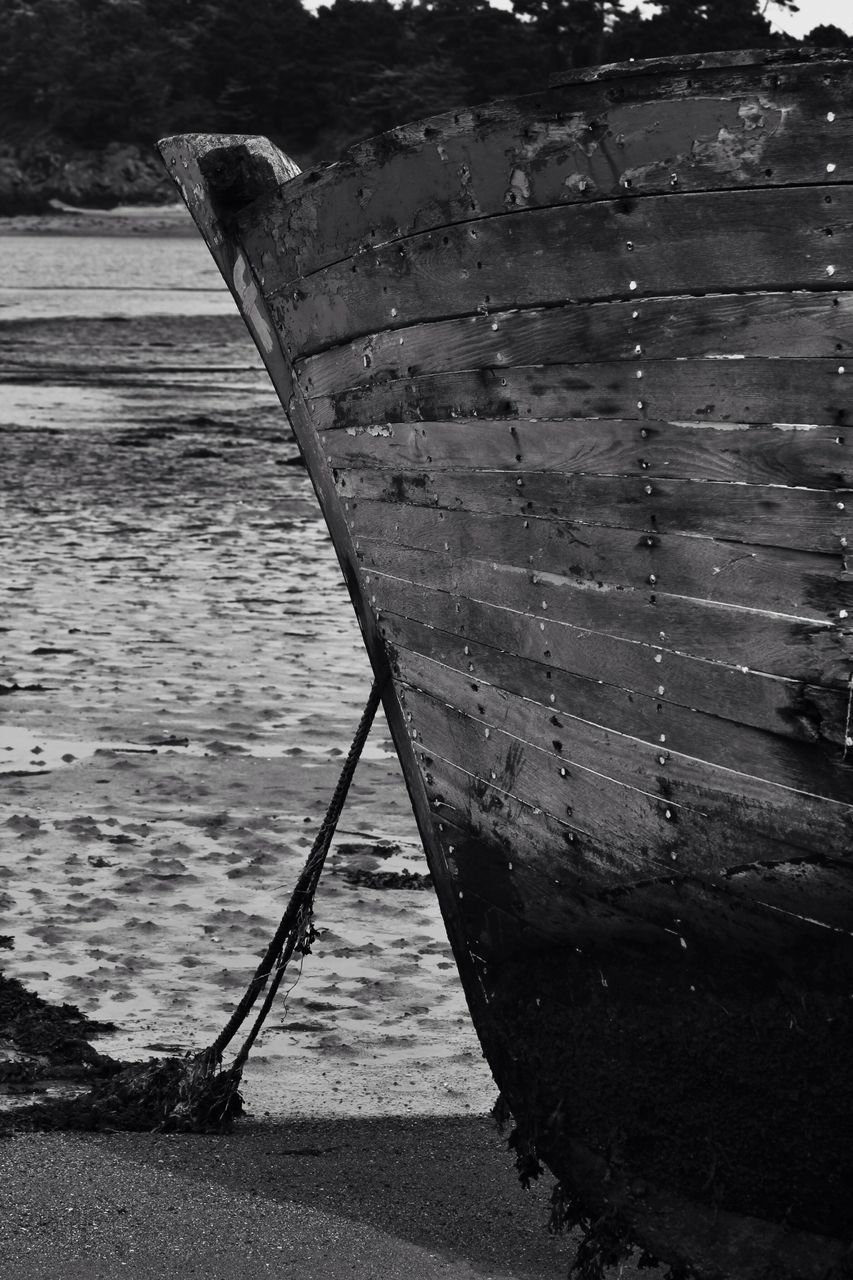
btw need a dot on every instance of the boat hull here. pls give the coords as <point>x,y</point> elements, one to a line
<point>569,376</point>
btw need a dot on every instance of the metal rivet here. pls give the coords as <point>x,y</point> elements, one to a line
<point>652,578</point>
<point>632,285</point>
<point>647,488</point>
<point>830,168</point>
<point>658,657</point>
<point>830,271</point>
<point>487,732</point>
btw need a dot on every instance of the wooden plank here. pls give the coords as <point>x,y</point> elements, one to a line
<point>758,515</point>
<point>778,579</point>
<point>799,649</point>
<point>659,246</point>
<point>809,456</point>
<point>750,126</point>
<point>747,325</point>
<point>790,708</point>
<point>523,864</point>
<point>662,831</point>
<point>712,792</point>
<point>812,391</point>
<point>815,766</point>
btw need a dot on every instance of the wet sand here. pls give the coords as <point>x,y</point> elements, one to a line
<point>180,677</point>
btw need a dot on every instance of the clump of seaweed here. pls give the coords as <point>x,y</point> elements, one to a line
<point>188,1095</point>
<point>607,1239</point>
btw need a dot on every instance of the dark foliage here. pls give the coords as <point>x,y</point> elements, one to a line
<point>97,71</point>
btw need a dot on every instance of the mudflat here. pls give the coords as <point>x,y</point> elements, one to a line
<point>180,678</point>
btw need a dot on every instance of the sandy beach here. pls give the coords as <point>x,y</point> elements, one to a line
<point>180,677</point>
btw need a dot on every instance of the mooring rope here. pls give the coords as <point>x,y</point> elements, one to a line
<point>294,929</point>
<point>193,1092</point>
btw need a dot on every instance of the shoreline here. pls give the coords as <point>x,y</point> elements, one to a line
<point>124,220</point>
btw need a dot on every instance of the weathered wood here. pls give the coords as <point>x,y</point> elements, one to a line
<point>569,885</point>
<point>807,456</point>
<point>788,707</point>
<point>797,648</point>
<point>758,515</point>
<point>618,635</point>
<point>744,325</point>
<point>756,126</point>
<point>816,392</point>
<point>713,797</point>
<point>782,580</point>
<point>658,246</point>
<point>652,835</point>
<point>812,764</point>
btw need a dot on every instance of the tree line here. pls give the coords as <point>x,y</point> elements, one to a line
<point>99,71</point>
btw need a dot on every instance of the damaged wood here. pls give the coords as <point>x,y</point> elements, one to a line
<point>714,242</point>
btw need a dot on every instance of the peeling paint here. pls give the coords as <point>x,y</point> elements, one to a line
<point>251,304</point>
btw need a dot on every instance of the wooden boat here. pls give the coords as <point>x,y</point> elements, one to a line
<point>572,376</point>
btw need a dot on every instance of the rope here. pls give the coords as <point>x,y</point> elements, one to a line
<point>294,930</point>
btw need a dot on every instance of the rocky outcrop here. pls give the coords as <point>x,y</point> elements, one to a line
<point>34,173</point>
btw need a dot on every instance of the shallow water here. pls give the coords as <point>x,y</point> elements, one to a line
<point>45,276</point>
<point>180,675</point>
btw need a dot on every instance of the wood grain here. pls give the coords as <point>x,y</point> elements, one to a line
<point>718,792</point>
<point>813,520</point>
<point>778,579</point>
<point>569,888</point>
<point>788,707</point>
<point>812,391</point>
<point>665,132</point>
<point>811,765</point>
<point>799,649</point>
<point>807,456</point>
<point>620,791</point>
<point>714,242</point>
<point>779,325</point>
